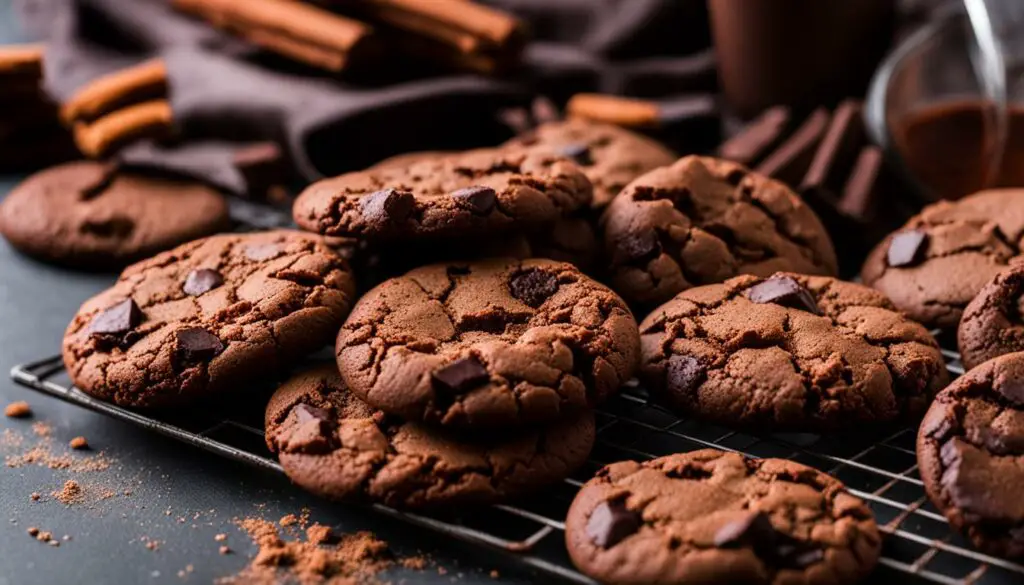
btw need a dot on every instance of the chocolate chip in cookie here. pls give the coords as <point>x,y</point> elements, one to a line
<point>533,287</point>
<point>906,248</point>
<point>116,320</point>
<point>478,199</point>
<point>462,375</point>
<point>202,281</point>
<point>783,291</point>
<point>197,345</point>
<point>612,521</point>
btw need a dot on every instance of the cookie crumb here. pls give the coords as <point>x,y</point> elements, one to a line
<point>71,493</point>
<point>224,550</point>
<point>33,531</point>
<point>79,443</point>
<point>320,534</point>
<point>19,409</point>
<point>35,496</point>
<point>495,574</point>
<point>220,537</point>
<point>53,542</point>
<point>288,520</point>
<point>66,537</point>
<point>41,429</point>
<point>44,536</point>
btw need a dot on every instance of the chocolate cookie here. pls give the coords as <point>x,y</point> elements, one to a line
<point>208,317</point>
<point>491,343</point>
<point>789,352</point>
<point>993,323</point>
<point>933,266</point>
<point>93,216</point>
<point>334,445</point>
<point>713,517</point>
<point>704,220</point>
<point>970,450</point>
<point>477,192</point>
<point>610,156</point>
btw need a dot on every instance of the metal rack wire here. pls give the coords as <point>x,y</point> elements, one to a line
<point>880,468</point>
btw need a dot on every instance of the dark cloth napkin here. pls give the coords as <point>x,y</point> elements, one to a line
<point>226,93</point>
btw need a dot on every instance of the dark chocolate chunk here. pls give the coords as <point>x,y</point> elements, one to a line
<point>116,320</point>
<point>202,281</point>
<point>306,413</point>
<point>478,199</point>
<point>611,522</point>
<point>533,287</point>
<point>640,247</point>
<point>755,529</point>
<point>261,252</point>
<point>461,375</point>
<point>783,290</point>
<point>1012,389</point>
<point>387,205</point>
<point>197,345</point>
<point>579,153</point>
<point>684,374</point>
<point>314,436</point>
<point>907,248</point>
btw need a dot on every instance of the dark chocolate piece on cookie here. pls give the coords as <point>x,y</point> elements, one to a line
<point>612,521</point>
<point>578,152</point>
<point>713,517</point>
<point>202,281</point>
<point>488,344</point>
<point>783,290</point>
<point>197,345</point>
<point>334,445</point>
<point>684,374</point>
<point>906,248</point>
<point>387,205</point>
<point>116,320</point>
<point>478,198</point>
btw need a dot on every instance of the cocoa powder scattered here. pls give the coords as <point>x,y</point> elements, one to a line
<point>19,409</point>
<point>71,493</point>
<point>321,558</point>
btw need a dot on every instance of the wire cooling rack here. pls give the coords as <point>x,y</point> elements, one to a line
<point>879,468</point>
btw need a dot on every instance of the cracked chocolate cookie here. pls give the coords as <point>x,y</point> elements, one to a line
<point>789,353</point>
<point>493,343</point>
<point>610,156</point>
<point>970,451</point>
<point>334,445</point>
<point>993,323</point>
<point>473,193</point>
<point>92,216</point>
<point>703,220</point>
<point>713,517</point>
<point>208,317</point>
<point>935,264</point>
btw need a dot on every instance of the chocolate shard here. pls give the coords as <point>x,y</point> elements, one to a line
<point>197,345</point>
<point>387,205</point>
<point>611,522</point>
<point>907,248</point>
<point>755,530</point>
<point>305,413</point>
<point>202,281</point>
<point>533,287</point>
<point>578,152</point>
<point>478,199</point>
<point>117,319</point>
<point>753,144</point>
<point>461,375</point>
<point>639,248</point>
<point>784,291</point>
<point>684,375</point>
<point>1012,389</point>
<point>314,436</point>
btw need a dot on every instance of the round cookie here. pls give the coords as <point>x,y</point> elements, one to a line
<point>492,343</point>
<point>208,317</point>
<point>334,445</point>
<point>611,156</point>
<point>993,323</point>
<point>473,193</point>
<point>970,452</point>
<point>933,266</point>
<point>703,220</point>
<point>789,353</point>
<point>91,215</point>
<point>713,517</point>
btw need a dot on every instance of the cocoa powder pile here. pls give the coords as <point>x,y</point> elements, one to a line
<point>319,556</point>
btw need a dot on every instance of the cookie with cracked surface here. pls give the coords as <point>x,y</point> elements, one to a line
<point>789,353</point>
<point>702,221</point>
<point>476,192</point>
<point>993,323</point>
<point>91,215</point>
<point>934,265</point>
<point>208,317</point>
<point>714,517</point>
<point>611,156</point>
<point>492,343</point>
<point>970,451</point>
<point>334,445</point>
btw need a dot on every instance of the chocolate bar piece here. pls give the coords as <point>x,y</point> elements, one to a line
<point>790,161</point>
